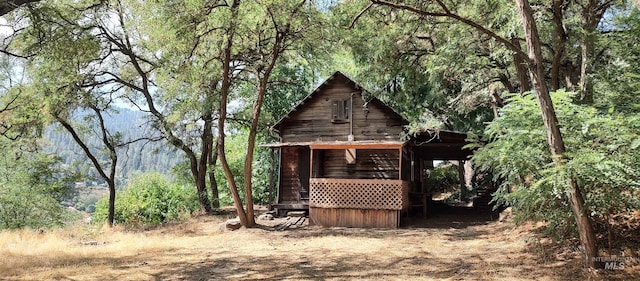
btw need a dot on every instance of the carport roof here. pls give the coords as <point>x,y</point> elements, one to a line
<point>441,145</point>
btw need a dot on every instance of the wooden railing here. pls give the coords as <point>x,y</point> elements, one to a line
<point>359,194</point>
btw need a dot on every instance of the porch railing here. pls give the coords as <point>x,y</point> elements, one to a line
<point>359,194</point>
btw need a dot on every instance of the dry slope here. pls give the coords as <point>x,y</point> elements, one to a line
<point>435,249</point>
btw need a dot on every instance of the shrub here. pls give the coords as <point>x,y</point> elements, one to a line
<point>603,153</point>
<point>149,199</point>
<point>32,188</point>
<point>443,178</point>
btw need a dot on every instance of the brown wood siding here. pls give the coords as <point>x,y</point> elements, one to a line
<point>354,218</point>
<point>312,121</point>
<point>289,176</point>
<point>370,164</point>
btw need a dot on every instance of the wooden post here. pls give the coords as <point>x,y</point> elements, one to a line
<point>311,166</point>
<point>271,169</point>
<point>277,193</point>
<point>400,163</point>
<point>311,175</point>
<point>421,176</point>
<point>413,166</point>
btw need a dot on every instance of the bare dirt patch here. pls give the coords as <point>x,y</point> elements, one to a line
<point>458,245</point>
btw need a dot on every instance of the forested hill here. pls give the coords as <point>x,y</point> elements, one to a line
<point>139,156</point>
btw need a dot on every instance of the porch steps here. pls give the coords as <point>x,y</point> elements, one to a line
<point>291,223</point>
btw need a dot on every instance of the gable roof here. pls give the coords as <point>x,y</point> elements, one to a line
<point>324,85</point>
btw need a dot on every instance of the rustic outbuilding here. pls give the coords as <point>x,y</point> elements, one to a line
<point>343,158</point>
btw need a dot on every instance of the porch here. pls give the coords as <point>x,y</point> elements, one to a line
<point>367,203</point>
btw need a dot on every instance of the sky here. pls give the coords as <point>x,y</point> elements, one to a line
<point>4,28</point>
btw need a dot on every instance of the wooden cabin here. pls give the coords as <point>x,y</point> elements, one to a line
<point>342,157</point>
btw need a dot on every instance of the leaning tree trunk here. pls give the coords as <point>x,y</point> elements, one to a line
<point>224,96</point>
<point>554,136</point>
<point>213,157</point>
<point>255,117</point>
<point>521,69</point>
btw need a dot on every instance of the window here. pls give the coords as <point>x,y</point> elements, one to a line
<point>340,111</point>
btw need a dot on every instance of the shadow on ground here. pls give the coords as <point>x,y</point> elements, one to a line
<point>443,216</point>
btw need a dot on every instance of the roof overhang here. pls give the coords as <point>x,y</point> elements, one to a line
<point>441,145</point>
<point>343,144</point>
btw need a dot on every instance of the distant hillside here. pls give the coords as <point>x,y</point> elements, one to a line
<point>139,156</point>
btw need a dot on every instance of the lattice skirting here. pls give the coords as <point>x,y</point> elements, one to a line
<point>359,194</point>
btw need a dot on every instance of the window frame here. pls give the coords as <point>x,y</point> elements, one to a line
<point>340,111</point>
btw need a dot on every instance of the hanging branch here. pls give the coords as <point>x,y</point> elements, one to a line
<point>355,19</point>
<point>448,14</point>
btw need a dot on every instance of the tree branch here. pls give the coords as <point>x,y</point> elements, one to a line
<point>10,5</point>
<point>448,14</point>
<point>355,19</point>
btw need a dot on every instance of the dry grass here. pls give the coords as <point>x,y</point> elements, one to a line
<point>195,250</point>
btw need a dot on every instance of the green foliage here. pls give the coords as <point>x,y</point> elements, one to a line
<point>443,177</point>
<point>618,78</point>
<point>293,87</point>
<point>235,157</point>
<point>149,199</point>
<point>236,151</point>
<point>32,188</point>
<point>21,116</point>
<point>422,67</point>
<point>87,203</point>
<point>261,168</point>
<point>603,159</point>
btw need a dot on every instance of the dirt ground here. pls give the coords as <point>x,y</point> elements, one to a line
<point>459,244</point>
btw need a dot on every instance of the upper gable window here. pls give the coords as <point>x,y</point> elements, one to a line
<point>340,111</point>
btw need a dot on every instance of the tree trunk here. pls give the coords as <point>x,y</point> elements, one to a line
<point>213,157</point>
<point>591,15</point>
<point>227,172</point>
<point>586,51</point>
<point>126,48</point>
<point>583,221</point>
<point>554,136</point>
<point>201,169</point>
<point>251,143</point>
<point>112,202</point>
<point>224,96</point>
<point>199,177</point>
<point>248,168</point>
<point>521,69</point>
<point>201,186</point>
<point>110,178</point>
<point>561,39</point>
<point>263,82</point>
